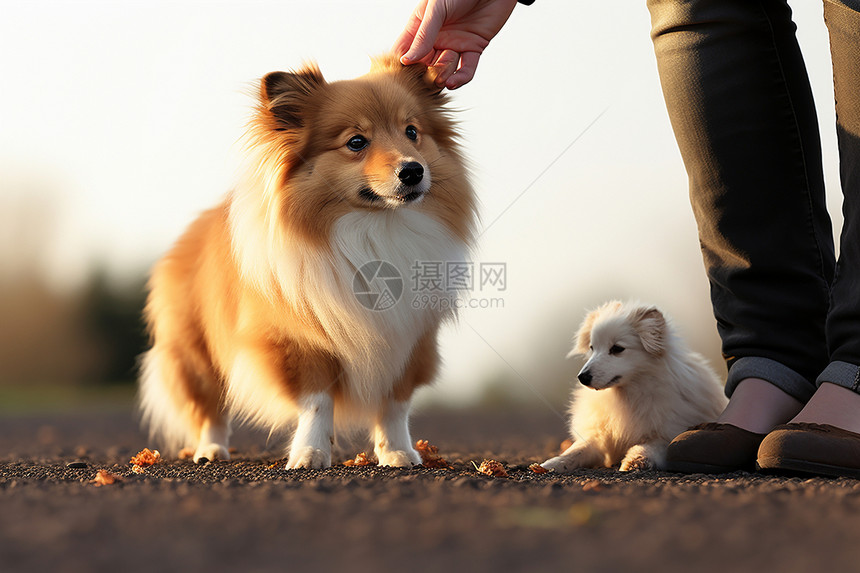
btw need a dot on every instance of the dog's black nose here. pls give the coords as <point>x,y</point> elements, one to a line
<point>410,173</point>
<point>585,378</point>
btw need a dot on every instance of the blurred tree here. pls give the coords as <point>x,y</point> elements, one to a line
<point>41,342</point>
<point>113,318</point>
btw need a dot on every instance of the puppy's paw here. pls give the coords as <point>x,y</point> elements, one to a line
<point>636,464</point>
<point>559,464</point>
<point>210,452</point>
<point>399,458</point>
<point>637,460</point>
<point>309,457</point>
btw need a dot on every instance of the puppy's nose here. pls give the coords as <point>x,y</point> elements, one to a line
<point>585,378</point>
<point>410,173</point>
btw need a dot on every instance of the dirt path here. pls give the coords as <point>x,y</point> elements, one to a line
<point>250,515</point>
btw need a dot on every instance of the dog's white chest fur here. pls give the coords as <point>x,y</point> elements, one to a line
<point>374,345</point>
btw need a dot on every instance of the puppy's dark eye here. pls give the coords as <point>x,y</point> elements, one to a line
<point>412,132</point>
<point>615,350</point>
<point>357,143</point>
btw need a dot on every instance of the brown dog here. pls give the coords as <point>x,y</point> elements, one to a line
<point>260,310</point>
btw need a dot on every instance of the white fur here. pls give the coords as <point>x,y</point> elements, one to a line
<point>640,398</point>
<point>213,442</point>
<point>391,439</point>
<point>311,447</point>
<point>375,345</point>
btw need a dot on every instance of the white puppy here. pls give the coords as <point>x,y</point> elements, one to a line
<point>641,387</point>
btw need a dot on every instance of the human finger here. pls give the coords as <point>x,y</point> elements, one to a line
<point>466,71</point>
<point>425,35</point>
<point>444,66</point>
<point>407,36</point>
<point>401,45</point>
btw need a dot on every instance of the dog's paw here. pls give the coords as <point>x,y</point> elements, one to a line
<point>399,458</point>
<point>558,464</point>
<point>309,457</point>
<point>643,457</point>
<point>634,462</point>
<point>210,452</point>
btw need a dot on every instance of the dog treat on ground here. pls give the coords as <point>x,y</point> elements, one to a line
<point>436,464</point>
<point>104,477</point>
<point>144,458</point>
<point>430,457</point>
<point>426,449</point>
<point>493,468</point>
<point>360,460</point>
<point>538,469</point>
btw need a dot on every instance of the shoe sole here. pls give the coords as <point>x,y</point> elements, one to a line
<point>680,467</point>
<point>805,467</point>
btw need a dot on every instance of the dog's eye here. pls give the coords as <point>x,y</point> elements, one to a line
<point>616,349</point>
<point>412,132</point>
<point>357,143</point>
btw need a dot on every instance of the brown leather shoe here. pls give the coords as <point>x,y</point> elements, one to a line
<point>818,449</point>
<point>713,448</point>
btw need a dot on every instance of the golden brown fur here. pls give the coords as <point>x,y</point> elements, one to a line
<point>250,312</point>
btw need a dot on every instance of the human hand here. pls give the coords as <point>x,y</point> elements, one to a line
<point>450,36</point>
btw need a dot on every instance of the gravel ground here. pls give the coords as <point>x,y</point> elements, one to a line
<point>250,515</point>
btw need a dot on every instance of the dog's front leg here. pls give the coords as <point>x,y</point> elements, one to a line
<point>392,442</point>
<point>311,446</point>
<point>212,444</point>
<point>582,454</point>
<point>647,456</point>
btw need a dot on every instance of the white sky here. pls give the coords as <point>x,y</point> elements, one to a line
<point>119,122</point>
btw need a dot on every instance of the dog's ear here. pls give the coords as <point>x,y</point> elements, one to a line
<point>285,94</point>
<point>650,326</point>
<point>415,75</point>
<point>582,339</point>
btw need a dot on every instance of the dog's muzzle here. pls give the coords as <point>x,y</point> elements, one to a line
<point>410,174</point>
<point>411,184</point>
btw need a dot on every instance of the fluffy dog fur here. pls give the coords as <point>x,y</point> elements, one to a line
<point>253,314</point>
<point>640,387</point>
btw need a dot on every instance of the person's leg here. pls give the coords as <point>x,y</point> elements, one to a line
<point>758,406</point>
<point>739,100</point>
<point>837,400</point>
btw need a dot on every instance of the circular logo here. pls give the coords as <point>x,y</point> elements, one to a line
<point>377,285</point>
